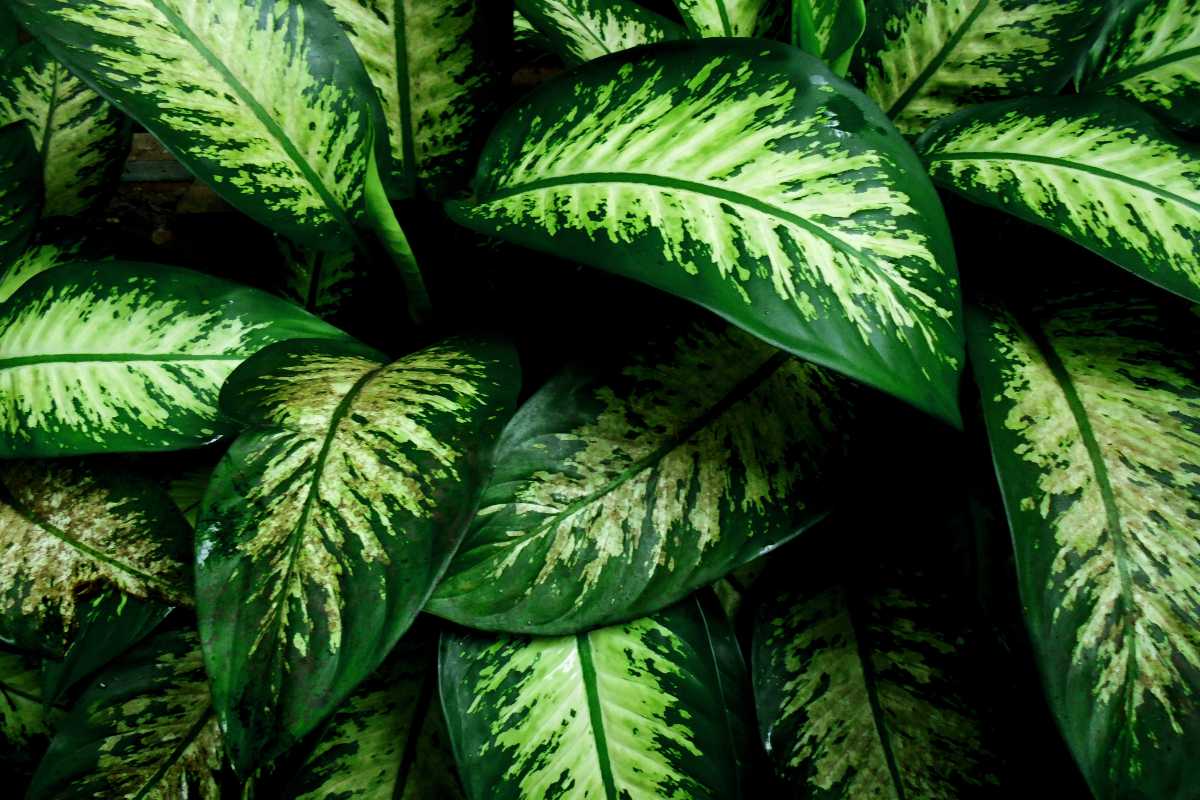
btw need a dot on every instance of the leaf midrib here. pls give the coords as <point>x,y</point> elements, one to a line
<point>78,358</point>
<point>854,610</point>
<point>587,669</point>
<point>936,62</point>
<point>1121,76</point>
<point>176,754</point>
<point>408,147</point>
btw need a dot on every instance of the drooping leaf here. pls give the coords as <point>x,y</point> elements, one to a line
<point>26,720</point>
<point>329,520</point>
<point>865,688</point>
<point>264,100</point>
<point>435,65</point>
<point>117,356</point>
<point>621,487</point>
<point>924,59</point>
<point>581,30</point>
<point>1153,57</point>
<point>648,710</point>
<point>144,729</point>
<point>1096,170</point>
<point>729,17</point>
<point>829,29</point>
<point>20,191</point>
<point>82,139</point>
<point>388,741</point>
<point>1092,412</point>
<point>36,259</point>
<point>70,529</point>
<point>747,178</point>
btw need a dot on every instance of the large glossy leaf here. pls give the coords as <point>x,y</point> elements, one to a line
<point>647,710</point>
<point>1092,411</point>
<point>729,17</point>
<point>119,356</point>
<point>20,191</point>
<point>581,30</point>
<point>924,59</point>
<point>264,100</point>
<point>829,29</point>
<point>36,259</point>
<point>82,139</point>
<point>144,729</point>
<point>865,687</point>
<point>621,487</point>
<point>388,741</point>
<point>1153,57</point>
<point>435,65</point>
<point>26,721</point>
<point>328,522</point>
<point>744,177</point>
<point>1097,170</point>
<point>69,530</point>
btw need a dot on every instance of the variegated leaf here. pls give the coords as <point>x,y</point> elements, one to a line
<point>648,710</point>
<point>1153,57</point>
<point>69,530</point>
<point>924,59</point>
<point>621,487</point>
<point>864,689</point>
<point>330,519</point>
<point>26,720</point>
<point>729,17</point>
<point>388,741</point>
<point>118,356</point>
<point>144,729</point>
<point>20,191</point>
<point>747,178</point>
<point>1093,413</point>
<point>318,281</point>
<point>264,100</point>
<point>82,139</point>
<point>36,259</point>
<point>829,29</point>
<point>1096,170</point>
<point>435,65</point>
<point>581,30</point>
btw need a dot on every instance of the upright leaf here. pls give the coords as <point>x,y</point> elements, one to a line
<point>69,530</point>
<point>1098,171</point>
<point>1153,57</point>
<point>264,100</point>
<point>143,729</point>
<point>20,191</point>
<point>329,520</point>
<point>582,30</point>
<point>620,488</point>
<point>729,17</point>
<point>82,139</point>
<point>924,59</point>
<point>1094,419</point>
<point>119,356</point>
<point>646,710</point>
<point>829,29</point>
<point>746,178</point>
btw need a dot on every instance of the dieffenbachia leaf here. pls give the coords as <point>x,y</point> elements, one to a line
<point>68,530</point>
<point>648,710</point>
<point>34,260</point>
<point>20,191</point>
<point>144,729</point>
<point>434,64</point>
<point>1094,420</point>
<point>729,17</point>
<point>388,741</point>
<point>26,721</point>
<point>747,178</point>
<point>117,356</point>
<point>318,281</point>
<point>864,689</point>
<point>581,30</point>
<point>924,59</point>
<point>1153,57</point>
<point>329,520</point>
<point>1097,170</point>
<point>264,100</point>
<point>620,488</point>
<point>82,139</point>
<point>829,29</point>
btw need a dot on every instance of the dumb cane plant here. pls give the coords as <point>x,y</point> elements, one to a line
<point>735,531</point>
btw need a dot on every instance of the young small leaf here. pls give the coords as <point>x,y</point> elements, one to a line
<point>729,17</point>
<point>829,29</point>
<point>582,30</point>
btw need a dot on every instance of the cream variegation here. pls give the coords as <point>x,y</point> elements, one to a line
<point>729,17</point>
<point>34,260</point>
<point>581,30</point>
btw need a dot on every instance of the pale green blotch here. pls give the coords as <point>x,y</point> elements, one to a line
<point>589,29</point>
<point>1158,62</point>
<point>726,17</point>
<point>36,259</point>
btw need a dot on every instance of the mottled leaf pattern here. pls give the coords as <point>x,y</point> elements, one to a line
<point>329,520</point>
<point>924,59</point>
<point>829,29</point>
<point>648,710</point>
<point>1092,411</point>
<point>69,530</point>
<point>622,487</point>
<point>729,17</point>
<point>1096,170</point>
<point>82,139</point>
<point>34,260</point>
<point>581,30</point>
<point>747,178</point>
<point>262,99</point>
<point>118,356</point>
<point>20,191</point>
<point>144,729</point>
